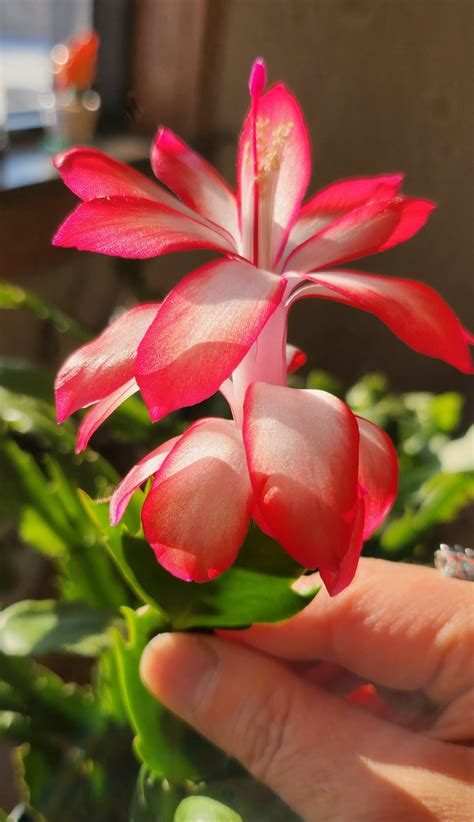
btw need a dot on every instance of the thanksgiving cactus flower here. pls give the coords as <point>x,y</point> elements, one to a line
<point>299,463</point>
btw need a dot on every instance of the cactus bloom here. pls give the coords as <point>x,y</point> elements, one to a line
<point>311,474</point>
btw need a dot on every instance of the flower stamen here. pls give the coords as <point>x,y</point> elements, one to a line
<point>270,147</point>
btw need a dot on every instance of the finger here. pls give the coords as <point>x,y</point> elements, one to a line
<point>326,759</point>
<point>402,626</point>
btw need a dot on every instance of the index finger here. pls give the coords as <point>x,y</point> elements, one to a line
<point>401,626</point>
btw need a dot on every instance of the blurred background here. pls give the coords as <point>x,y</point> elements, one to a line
<point>386,86</point>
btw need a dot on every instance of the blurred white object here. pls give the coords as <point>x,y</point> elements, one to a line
<point>456,562</point>
<point>458,455</point>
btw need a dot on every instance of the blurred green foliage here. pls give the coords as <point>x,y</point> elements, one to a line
<point>71,699</point>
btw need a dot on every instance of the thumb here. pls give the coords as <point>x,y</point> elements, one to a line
<point>324,758</point>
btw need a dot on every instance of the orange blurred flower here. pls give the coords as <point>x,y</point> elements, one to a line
<point>78,67</point>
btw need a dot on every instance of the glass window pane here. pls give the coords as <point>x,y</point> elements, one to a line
<point>28,31</point>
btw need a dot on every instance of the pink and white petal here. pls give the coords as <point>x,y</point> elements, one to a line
<point>336,581</point>
<point>137,228</point>
<point>246,191</point>
<point>338,199</point>
<point>295,358</point>
<point>143,470</point>
<point>276,180</point>
<point>374,227</point>
<point>413,311</point>
<point>204,329</point>
<point>206,477</point>
<point>194,181</point>
<point>228,392</point>
<point>101,411</point>
<point>104,365</point>
<point>285,134</point>
<point>303,450</point>
<point>345,195</point>
<point>91,174</point>
<point>378,473</point>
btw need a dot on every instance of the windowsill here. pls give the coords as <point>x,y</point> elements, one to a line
<point>31,164</point>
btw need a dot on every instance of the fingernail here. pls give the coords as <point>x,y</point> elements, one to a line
<point>178,669</point>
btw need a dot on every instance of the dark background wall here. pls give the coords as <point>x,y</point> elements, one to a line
<point>386,85</point>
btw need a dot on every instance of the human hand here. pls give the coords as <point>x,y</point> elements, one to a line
<point>261,695</point>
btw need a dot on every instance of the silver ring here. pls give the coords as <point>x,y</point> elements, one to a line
<point>455,562</point>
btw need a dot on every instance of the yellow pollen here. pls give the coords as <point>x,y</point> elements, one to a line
<point>270,146</point>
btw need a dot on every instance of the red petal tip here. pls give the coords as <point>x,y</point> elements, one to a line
<point>155,414</point>
<point>258,78</point>
<point>165,139</point>
<point>62,412</point>
<point>62,156</point>
<point>395,179</point>
<point>81,442</point>
<point>425,207</point>
<point>58,159</point>
<point>415,202</point>
<point>57,240</point>
<point>469,336</point>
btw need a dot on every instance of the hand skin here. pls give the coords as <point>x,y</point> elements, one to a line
<point>254,694</point>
